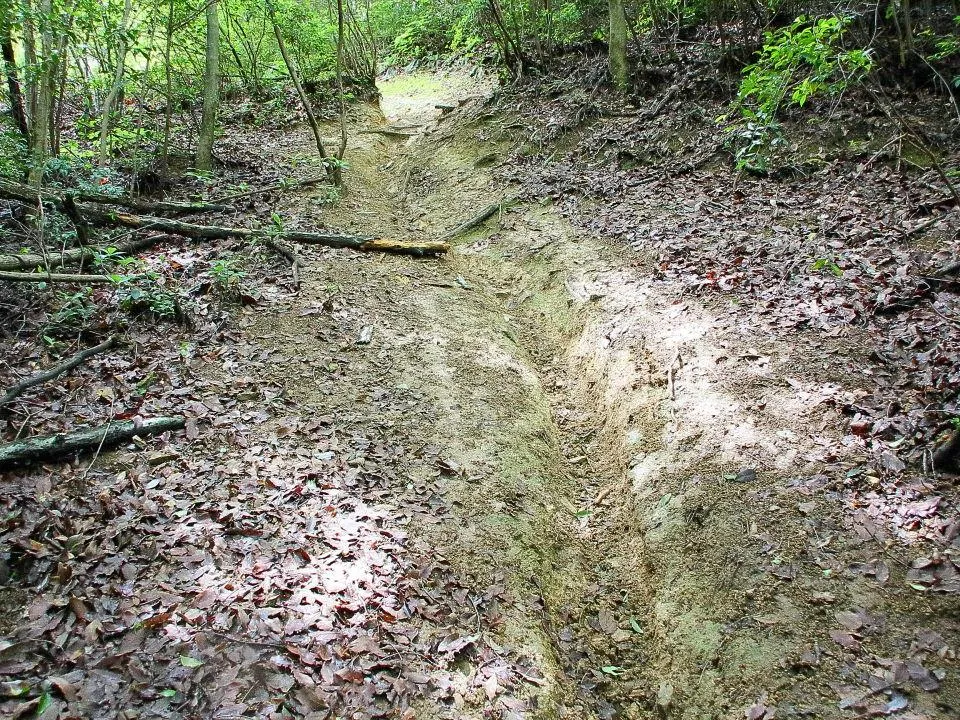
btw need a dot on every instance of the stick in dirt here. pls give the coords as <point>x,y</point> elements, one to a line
<point>484,215</point>
<point>56,370</point>
<point>52,447</point>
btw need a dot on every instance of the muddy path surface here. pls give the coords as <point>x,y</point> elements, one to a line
<point>524,480</point>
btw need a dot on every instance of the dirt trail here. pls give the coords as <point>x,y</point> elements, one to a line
<point>624,462</point>
<point>526,480</point>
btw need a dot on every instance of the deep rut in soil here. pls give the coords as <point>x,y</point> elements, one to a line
<point>570,434</point>
<point>534,502</point>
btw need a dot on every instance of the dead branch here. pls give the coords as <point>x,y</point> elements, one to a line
<point>73,257</point>
<point>290,254</point>
<point>56,370</point>
<point>25,193</point>
<point>73,212</point>
<point>52,447</point>
<point>476,220</point>
<point>272,188</point>
<point>55,277</point>
<point>215,232</point>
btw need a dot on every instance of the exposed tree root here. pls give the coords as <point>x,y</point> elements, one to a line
<point>52,447</point>
<point>56,370</point>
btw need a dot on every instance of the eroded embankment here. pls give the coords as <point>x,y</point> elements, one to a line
<point>632,482</point>
<point>693,553</point>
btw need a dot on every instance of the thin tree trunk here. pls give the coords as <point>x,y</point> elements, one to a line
<point>211,90</point>
<point>617,46</point>
<point>9,66</point>
<point>30,62</point>
<point>117,85</point>
<point>168,78</point>
<point>332,168</point>
<point>40,132</point>
<point>58,77</point>
<point>343,102</point>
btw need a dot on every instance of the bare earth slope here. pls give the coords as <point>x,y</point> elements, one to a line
<point>525,480</point>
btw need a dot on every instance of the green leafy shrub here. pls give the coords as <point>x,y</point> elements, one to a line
<point>797,63</point>
<point>13,153</point>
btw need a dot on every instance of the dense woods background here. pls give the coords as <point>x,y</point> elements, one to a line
<point>98,89</point>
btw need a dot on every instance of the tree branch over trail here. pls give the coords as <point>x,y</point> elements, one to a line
<point>52,447</point>
<point>56,370</point>
<point>217,232</point>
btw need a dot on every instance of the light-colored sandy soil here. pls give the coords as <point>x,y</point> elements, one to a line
<point>596,425</point>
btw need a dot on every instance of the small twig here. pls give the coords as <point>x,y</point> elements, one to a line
<point>670,384</point>
<point>251,643</point>
<point>290,254</point>
<point>53,372</point>
<point>106,430</point>
<point>271,188</point>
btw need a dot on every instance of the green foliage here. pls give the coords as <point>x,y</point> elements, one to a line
<point>799,62</point>
<point>151,299</point>
<point>13,153</point>
<point>73,313</point>
<point>821,264</point>
<point>948,47</point>
<point>227,275</point>
<point>796,63</point>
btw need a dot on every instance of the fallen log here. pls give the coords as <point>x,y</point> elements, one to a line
<point>55,277</point>
<point>216,232</point>
<point>407,247</point>
<point>72,257</point>
<point>27,194</point>
<point>56,370</point>
<point>52,447</point>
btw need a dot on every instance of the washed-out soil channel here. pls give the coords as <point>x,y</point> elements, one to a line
<point>623,461</point>
<point>523,480</point>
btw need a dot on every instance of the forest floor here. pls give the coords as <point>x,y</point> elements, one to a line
<point>551,475</point>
